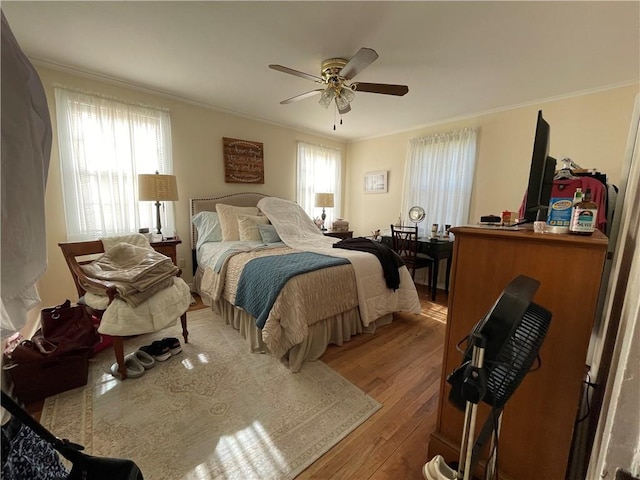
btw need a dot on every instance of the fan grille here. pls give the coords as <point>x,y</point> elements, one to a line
<point>517,355</point>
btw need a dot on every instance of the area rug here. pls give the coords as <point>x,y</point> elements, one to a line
<point>214,411</point>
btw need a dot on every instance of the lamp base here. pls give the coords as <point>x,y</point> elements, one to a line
<point>158,224</point>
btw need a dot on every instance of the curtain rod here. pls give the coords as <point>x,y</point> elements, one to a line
<point>110,97</point>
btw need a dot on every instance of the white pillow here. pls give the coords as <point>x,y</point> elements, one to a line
<point>228,215</point>
<point>208,226</point>
<point>248,227</point>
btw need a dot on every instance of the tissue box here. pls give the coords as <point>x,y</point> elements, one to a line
<point>340,225</point>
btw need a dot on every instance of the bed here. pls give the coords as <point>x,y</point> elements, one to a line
<point>347,295</point>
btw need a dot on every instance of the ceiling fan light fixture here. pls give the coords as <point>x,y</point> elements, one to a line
<point>343,104</point>
<point>347,93</point>
<point>327,96</point>
<point>336,75</point>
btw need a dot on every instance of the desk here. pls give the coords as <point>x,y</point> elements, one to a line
<point>438,250</point>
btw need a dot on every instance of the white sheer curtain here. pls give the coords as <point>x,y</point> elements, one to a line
<point>439,176</point>
<point>319,171</point>
<point>104,145</point>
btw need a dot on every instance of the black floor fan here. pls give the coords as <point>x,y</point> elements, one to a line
<point>500,351</point>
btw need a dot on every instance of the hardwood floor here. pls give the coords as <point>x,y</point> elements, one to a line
<point>399,366</point>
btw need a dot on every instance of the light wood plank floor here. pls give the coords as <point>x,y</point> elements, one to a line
<point>399,366</point>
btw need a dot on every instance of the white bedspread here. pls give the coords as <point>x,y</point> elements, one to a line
<point>375,299</point>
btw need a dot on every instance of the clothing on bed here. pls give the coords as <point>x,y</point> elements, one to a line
<point>263,278</point>
<point>389,260</point>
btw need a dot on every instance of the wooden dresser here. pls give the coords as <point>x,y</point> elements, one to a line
<point>538,420</point>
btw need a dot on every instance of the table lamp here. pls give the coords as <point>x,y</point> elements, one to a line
<point>156,187</point>
<point>324,200</point>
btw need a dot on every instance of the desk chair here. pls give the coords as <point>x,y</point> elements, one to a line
<point>405,243</point>
<point>136,320</point>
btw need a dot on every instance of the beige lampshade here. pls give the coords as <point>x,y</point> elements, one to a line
<point>324,200</point>
<point>156,187</point>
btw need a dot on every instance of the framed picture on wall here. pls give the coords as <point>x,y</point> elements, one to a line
<point>375,182</point>
<point>243,161</point>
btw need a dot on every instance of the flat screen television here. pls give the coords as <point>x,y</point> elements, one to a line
<point>541,175</point>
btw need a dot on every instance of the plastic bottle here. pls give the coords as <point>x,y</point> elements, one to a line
<point>584,216</point>
<point>577,196</point>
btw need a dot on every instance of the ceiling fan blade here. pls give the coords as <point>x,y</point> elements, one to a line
<point>360,61</point>
<point>291,71</point>
<point>302,96</point>
<point>384,88</point>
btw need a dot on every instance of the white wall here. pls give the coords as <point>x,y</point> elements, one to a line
<point>591,129</point>
<point>197,154</point>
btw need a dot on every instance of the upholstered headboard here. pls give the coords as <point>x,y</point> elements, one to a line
<point>208,204</point>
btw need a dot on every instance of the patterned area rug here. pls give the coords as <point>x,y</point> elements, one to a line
<point>214,411</point>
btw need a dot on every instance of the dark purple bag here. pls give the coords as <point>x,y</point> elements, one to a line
<point>69,327</point>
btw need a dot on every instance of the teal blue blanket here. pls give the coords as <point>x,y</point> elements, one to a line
<point>262,279</point>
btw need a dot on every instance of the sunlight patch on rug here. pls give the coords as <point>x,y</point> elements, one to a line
<point>214,411</point>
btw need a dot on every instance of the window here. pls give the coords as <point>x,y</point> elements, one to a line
<point>319,171</point>
<point>439,176</point>
<point>104,145</point>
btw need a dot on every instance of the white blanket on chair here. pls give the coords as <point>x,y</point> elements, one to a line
<point>375,299</point>
<point>158,312</point>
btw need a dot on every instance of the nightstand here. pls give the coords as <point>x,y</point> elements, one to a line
<point>167,246</point>
<point>342,235</point>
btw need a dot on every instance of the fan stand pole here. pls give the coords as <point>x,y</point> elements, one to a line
<point>470,415</point>
<point>490,469</point>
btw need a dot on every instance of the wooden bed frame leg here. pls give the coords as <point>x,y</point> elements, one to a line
<point>185,333</point>
<point>118,349</point>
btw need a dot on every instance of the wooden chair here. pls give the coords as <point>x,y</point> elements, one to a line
<point>75,254</point>
<point>405,243</point>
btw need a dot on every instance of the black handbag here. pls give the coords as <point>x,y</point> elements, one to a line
<point>85,467</point>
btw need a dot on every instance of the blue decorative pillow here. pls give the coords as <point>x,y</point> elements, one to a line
<point>208,227</point>
<point>268,233</point>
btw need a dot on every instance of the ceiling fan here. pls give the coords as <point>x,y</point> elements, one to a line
<point>336,74</point>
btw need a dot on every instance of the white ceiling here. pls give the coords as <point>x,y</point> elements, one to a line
<point>458,58</point>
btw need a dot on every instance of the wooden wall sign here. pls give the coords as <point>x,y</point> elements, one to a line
<point>243,161</point>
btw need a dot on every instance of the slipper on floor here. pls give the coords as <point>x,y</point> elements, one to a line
<point>145,359</point>
<point>133,366</point>
<point>437,469</point>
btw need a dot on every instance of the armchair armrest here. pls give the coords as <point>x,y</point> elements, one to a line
<point>84,281</point>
